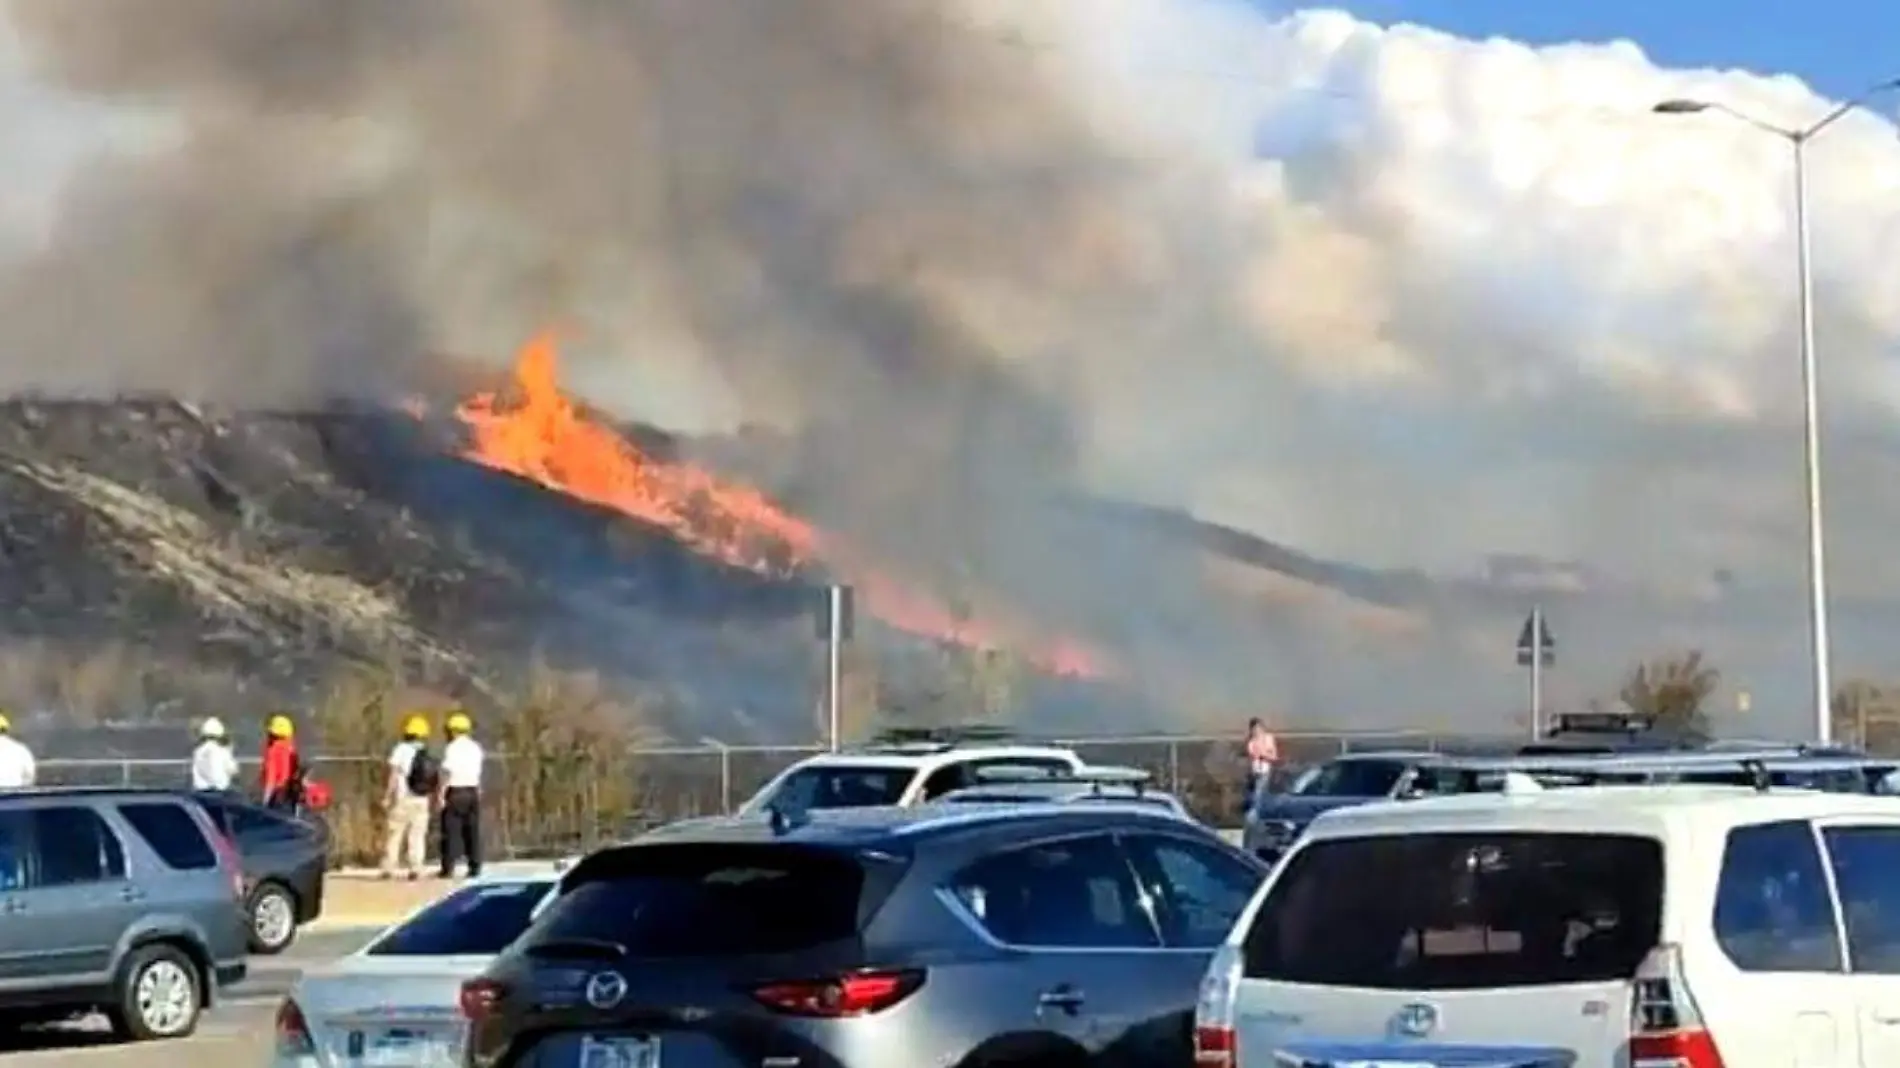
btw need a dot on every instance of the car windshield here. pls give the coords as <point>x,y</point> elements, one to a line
<point>1353,778</point>
<point>838,786</point>
<point>477,920</point>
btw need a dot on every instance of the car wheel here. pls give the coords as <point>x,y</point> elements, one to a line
<point>273,916</point>
<point>159,995</point>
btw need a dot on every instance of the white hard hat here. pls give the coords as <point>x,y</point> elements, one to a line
<point>211,728</point>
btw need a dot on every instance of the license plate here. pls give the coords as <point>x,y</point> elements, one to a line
<point>400,1049</point>
<point>619,1052</point>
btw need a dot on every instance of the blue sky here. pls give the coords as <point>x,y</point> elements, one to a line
<point>1839,46</point>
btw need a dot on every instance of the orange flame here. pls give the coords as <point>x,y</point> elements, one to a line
<point>541,435</point>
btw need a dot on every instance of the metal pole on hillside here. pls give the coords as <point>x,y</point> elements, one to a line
<point>1537,651</point>
<point>1799,138</point>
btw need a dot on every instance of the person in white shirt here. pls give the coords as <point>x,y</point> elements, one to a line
<point>17,769</point>
<point>213,765</point>
<point>413,781</point>
<point>461,797</point>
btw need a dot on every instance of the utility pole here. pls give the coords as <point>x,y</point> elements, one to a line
<point>835,627</point>
<point>1536,650</point>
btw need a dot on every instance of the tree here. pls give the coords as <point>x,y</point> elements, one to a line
<point>1673,692</point>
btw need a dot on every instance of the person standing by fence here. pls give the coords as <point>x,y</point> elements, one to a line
<point>213,766</point>
<point>462,760</point>
<point>17,768</point>
<point>414,780</point>
<point>1263,752</point>
<point>281,782</point>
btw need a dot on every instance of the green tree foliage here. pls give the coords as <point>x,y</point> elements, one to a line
<point>1674,692</point>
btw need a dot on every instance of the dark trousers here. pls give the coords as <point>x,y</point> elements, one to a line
<point>461,829</point>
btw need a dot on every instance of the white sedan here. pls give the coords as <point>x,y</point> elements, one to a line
<point>393,1003</point>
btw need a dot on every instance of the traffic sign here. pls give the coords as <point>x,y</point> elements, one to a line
<point>1536,624</point>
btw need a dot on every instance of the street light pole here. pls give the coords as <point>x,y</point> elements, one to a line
<point>1810,377</point>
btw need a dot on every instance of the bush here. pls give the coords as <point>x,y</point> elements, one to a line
<point>561,774</point>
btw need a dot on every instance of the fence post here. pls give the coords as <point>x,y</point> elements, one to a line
<point>1174,766</point>
<point>725,778</point>
<point>125,773</point>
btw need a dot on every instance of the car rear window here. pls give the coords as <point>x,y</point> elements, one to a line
<point>706,900</point>
<point>1477,911</point>
<point>478,920</point>
<point>172,834</point>
<point>841,787</point>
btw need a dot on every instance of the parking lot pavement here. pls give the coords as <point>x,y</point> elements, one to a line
<point>236,1034</point>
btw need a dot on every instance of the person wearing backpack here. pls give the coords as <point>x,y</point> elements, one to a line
<point>414,775</point>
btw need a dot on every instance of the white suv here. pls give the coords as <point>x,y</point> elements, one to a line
<point>905,772</point>
<point>1609,927</point>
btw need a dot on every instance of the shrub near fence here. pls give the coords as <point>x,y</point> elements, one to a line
<point>570,799</point>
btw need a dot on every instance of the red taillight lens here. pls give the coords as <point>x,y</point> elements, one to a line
<point>857,994</point>
<point>1682,1049</point>
<point>1214,1047</point>
<point>293,1033</point>
<point>481,998</point>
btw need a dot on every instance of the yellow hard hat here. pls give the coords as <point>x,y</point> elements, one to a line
<point>459,723</point>
<point>5,723</point>
<point>415,727</point>
<point>279,727</point>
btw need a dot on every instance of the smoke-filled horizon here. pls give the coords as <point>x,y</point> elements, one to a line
<point>1382,294</point>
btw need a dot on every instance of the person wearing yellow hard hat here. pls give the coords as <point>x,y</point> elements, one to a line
<point>281,780</point>
<point>461,779</point>
<point>413,781</point>
<point>213,766</point>
<point>17,767</point>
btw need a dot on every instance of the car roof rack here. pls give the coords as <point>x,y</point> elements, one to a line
<point>1759,766</point>
<point>927,740</point>
<point>1097,776</point>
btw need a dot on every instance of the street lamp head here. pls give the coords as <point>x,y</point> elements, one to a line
<point>1681,107</point>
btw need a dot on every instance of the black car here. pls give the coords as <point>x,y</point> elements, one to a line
<point>284,861</point>
<point>1005,936</point>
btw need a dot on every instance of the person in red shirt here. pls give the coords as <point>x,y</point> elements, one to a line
<point>280,782</point>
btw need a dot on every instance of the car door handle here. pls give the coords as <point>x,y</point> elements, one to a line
<point>131,893</point>
<point>1062,999</point>
<point>1886,1017</point>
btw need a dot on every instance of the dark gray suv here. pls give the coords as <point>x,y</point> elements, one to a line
<point>977,936</point>
<point>124,901</point>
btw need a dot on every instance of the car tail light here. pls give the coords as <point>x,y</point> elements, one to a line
<point>233,862</point>
<point>481,998</point>
<point>856,994</point>
<point>293,1032</point>
<point>1666,1027</point>
<point>1216,1044</point>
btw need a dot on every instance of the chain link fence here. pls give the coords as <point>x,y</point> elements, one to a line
<point>530,812</point>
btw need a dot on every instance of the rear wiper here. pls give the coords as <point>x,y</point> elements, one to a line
<point>576,949</point>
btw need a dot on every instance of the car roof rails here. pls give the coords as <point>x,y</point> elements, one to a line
<point>925,740</point>
<point>1098,776</point>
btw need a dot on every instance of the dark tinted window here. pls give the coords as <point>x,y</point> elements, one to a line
<point>712,900</point>
<point>1867,873</point>
<point>478,920</point>
<point>1772,911</point>
<point>1199,889</point>
<point>72,845</point>
<point>1077,892</point>
<point>255,825</point>
<point>1460,911</point>
<point>841,787</point>
<point>16,838</point>
<point>172,834</point>
<point>1354,778</point>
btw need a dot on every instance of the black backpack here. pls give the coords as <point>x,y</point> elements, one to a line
<point>423,772</point>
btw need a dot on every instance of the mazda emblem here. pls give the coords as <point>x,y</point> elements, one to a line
<point>605,989</point>
<point>1416,1020</point>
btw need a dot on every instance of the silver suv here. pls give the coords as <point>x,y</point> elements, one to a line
<point>125,901</point>
<point>1022,936</point>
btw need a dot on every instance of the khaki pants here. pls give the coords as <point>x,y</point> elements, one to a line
<point>408,834</point>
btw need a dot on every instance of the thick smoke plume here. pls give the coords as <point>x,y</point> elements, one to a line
<point>1382,293</point>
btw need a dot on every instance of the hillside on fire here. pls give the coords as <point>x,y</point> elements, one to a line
<point>164,557</point>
